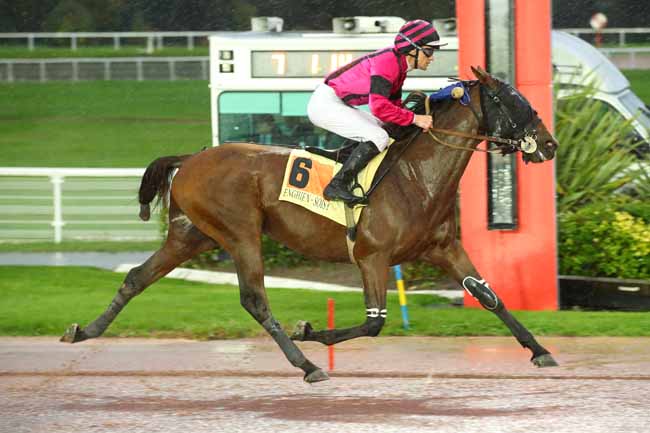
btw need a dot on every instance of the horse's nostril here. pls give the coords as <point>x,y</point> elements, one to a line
<point>551,144</point>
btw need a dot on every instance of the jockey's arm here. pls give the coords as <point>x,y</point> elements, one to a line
<point>382,107</point>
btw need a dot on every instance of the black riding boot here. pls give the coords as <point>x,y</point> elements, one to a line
<point>339,187</point>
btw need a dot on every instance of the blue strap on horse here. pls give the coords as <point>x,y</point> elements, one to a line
<point>446,93</point>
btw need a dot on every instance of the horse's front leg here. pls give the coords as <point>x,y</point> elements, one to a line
<point>456,262</point>
<point>374,270</point>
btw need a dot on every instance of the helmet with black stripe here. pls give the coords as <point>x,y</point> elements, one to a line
<point>416,34</point>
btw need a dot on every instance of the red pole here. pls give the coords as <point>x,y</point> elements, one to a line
<point>503,257</point>
<point>330,325</point>
<point>599,38</point>
<point>537,181</point>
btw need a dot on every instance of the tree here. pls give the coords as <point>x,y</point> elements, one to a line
<point>69,16</point>
<point>24,15</point>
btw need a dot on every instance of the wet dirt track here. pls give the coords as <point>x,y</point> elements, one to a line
<point>385,384</point>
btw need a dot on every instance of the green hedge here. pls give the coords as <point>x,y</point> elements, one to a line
<point>636,208</point>
<point>606,240</point>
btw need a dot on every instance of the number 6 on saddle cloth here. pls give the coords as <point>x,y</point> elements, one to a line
<point>307,174</point>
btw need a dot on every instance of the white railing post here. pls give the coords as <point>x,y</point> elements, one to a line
<point>40,69</point>
<point>101,215</point>
<point>190,42</point>
<point>149,44</point>
<point>73,43</point>
<point>30,42</point>
<point>621,38</point>
<point>116,43</point>
<point>57,222</point>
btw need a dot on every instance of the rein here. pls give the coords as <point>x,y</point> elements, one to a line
<point>500,140</point>
<point>491,139</point>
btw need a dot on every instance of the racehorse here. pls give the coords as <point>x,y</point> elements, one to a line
<point>228,196</point>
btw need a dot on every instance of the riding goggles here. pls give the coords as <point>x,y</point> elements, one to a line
<point>429,50</point>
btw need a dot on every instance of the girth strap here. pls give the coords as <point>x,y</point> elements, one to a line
<point>350,232</point>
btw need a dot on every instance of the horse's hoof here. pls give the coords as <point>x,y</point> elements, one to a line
<point>145,212</point>
<point>301,330</point>
<point>317,375</point>
<point>545,360</point>
<point>72,335</point>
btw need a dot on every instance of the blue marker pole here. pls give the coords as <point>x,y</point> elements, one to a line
<point>397,269</point>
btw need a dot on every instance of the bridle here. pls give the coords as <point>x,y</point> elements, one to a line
<point>528,133</point>
<point>527,143</point>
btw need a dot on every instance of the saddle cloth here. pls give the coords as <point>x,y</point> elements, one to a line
<point>306,176</point>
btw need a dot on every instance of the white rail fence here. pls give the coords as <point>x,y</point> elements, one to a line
<point>622,32</point>
<point>57,204</point>
<point>629,58</point>
<point>99,68</point>
<point>185,68</point>
<point>154,40</point>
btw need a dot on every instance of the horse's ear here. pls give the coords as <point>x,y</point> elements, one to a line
<point>483,76</point>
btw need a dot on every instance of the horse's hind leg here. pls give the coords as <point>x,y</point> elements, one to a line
<point>374,271</point>
<point>456,262</point>
<point>184,241</point>
<point>250,270</point>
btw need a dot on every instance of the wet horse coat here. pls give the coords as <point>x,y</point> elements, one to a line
<point>228,195</point>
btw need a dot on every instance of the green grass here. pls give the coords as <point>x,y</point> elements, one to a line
<point>78,246</point>
<point>21,52</point>
<point>101,124</point>
<point>640,81</point>
<point>45,300</point>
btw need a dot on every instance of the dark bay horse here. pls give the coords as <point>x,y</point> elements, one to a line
<point>228,195</point>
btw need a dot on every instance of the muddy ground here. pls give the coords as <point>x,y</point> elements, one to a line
<point>392,384</point>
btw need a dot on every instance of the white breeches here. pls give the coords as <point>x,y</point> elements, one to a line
<point>328,111</point>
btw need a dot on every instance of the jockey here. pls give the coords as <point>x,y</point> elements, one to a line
<point>375,79</point>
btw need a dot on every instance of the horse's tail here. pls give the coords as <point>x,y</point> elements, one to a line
<point>157,181</point>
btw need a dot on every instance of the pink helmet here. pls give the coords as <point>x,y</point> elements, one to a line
<point>416,34</point>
